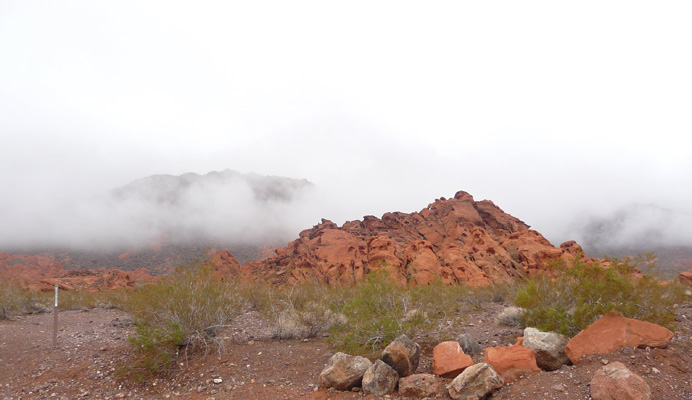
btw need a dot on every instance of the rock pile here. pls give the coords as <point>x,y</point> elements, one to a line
<point>533,352</point>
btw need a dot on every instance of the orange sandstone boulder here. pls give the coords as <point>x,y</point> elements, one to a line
<point>449,359</point>
<point>613,331</point>
<point>511,362</point>
<point>686,277</point>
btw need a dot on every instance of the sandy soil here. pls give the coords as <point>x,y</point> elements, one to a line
<point>253,366</point>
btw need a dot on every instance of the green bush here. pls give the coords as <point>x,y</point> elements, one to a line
<point>573,295</point>
<point>179,313</point>
<point>377,310</point>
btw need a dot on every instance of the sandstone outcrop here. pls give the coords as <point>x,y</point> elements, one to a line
<point>613,331</point>
<point>616,382</point>
<point>510,362</point>
<point>456,240</point>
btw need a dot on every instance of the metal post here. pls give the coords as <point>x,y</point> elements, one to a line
<point>55,319</point>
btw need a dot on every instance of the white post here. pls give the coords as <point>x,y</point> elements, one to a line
<point>55,319</point>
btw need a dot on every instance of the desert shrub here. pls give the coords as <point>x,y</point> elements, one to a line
<point>573,295</point>
<point>180,313</point>
<point>15,300</point>
<point>377,310</point>
<point>298,311</point>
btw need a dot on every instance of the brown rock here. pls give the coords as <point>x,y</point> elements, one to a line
<point>403,355</point>
<point>380,379</point>
<point>613,331</point>
<point>449,359</point>
<point>343,372</point>
<point>686,278</point>
<point>512,361</point>
<point>476,382</point>
<point>549,348</point>
<point>615,382</point>
<point>420,386</point>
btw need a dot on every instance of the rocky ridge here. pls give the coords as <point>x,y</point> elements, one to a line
<point>457,240</point>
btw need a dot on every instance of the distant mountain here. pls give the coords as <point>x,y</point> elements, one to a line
<point>174,190</point>
<point>637,229</point>
<point>161,221</point>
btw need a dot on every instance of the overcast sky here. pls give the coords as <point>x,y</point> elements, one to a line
<point>554,111</point>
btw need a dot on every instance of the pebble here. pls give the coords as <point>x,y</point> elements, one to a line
<point>218,381</point>
<point>559,387</point>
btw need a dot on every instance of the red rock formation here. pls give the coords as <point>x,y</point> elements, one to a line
<point>613,331</point>
<point>456,240</point>
<point>43,272</point>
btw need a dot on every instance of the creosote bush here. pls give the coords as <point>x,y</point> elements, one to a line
<point>378,310</point>
<point>574,294</point>
<point>179,313</point>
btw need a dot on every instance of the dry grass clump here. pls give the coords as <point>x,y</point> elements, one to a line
<point>510,316</point>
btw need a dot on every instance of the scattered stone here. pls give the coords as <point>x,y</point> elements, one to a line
<point>403,355</point>
<point>549,348</point>
<point>449,359</point>
<point>512,361</point>
<point>218,381</point>
<point>343,372</point>
<point>476,382</point>
<point>560,387</point>
<point>469,344</point>
<point>510,316</point>
<point>420,386</point>
<point>613,331</point>
<point>380,379</point>
<point>615,382</point>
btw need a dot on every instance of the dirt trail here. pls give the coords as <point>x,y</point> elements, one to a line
<point>253,366</point>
